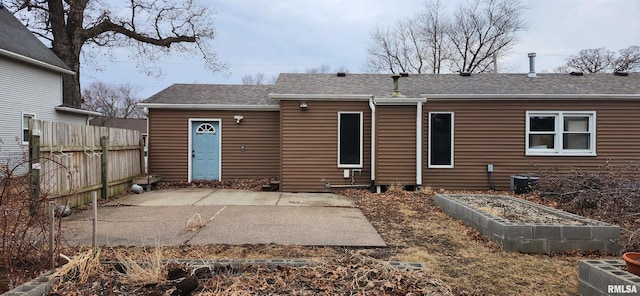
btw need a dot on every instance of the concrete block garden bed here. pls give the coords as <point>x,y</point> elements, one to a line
<point>606,277</point>
<point>523,226</point>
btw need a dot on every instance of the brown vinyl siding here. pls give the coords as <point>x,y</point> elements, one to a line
<point>309,145</point>
<point>493,132</point>
<point>396,145</point>
<point>168,149</point>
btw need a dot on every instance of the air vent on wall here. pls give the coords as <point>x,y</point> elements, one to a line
<point>576,73</point>
<point>465,73</point>
<point>341,74</point>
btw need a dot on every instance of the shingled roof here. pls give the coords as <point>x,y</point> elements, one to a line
<point>291,85</point>
<point>16,41</point>
<point>213,94</point>
<point>423,85</point>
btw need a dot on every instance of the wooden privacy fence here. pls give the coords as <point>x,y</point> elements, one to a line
<point>70,162</point>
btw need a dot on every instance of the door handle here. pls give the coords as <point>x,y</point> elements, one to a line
<point>193,153</point>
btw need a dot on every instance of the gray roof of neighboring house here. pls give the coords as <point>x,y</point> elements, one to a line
<point>417,85</point>
<point>139,124</point>
<point>214,94</point>
<point>16,38</point>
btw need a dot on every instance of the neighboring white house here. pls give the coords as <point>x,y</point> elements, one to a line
<point>30,87</point>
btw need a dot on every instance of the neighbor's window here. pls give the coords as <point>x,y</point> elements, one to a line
<point>441,139</point>
<point>25,126</point>
<point>350,139</point>
<point>561,133</point>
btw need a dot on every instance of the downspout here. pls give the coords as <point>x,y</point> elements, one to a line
<point>419,144</point>
<point>372,106</point>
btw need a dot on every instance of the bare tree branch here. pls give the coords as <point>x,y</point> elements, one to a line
<point>116,101</point>
<point>152,28</point>
<point>465,42</point>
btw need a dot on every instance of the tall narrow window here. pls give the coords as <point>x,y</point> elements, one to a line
<point>25,126</point>
<point>350,139</point>
<point>441,140</point>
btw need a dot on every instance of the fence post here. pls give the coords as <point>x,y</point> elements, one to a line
<point>34,168</point>
<point>104,161</point>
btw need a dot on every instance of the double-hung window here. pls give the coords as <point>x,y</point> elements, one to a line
<point>567,133</point>
<point>25,126</point>
<point>350,139</point>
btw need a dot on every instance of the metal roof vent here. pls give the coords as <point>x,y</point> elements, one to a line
<point>465,74</point>
<point>621,73</point>
<point>404,74</point>
<point>395,92</point>
<point>576,73</point>
<point>532,65</point>
<point>341,74</point>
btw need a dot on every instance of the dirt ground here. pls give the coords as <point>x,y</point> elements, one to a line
<point>459,261</point>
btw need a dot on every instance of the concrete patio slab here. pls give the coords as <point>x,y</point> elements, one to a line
<point>310,226</point>
<point>230,217</point>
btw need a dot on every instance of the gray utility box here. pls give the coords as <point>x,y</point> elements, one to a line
<point>522,183</point>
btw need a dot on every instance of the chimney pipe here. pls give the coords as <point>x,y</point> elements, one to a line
<point>532,65</point>
<point>395,91</point>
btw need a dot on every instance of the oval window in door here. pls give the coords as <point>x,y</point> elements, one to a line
<point>206,128</point>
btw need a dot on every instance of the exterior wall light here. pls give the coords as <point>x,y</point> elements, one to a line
<point>238,118</point>
<point>303,106</point>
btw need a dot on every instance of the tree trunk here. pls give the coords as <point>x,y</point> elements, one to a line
<point>67,44</point>
<point>71,86</point>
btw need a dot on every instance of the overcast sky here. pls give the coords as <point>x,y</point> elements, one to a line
<point>292,35</point>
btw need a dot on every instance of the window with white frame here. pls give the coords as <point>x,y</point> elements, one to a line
<point>350,139</point>
<point>441,139</point>
<point>561,133</point>
<point>25,126</point>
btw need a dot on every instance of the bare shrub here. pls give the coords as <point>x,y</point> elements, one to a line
<point>25,218</point>
<point>610,194</point>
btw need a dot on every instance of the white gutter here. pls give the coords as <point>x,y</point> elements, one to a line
<point>35,62</point>
<point>324,97</point>
<point>78,111</point>
<point>399,101</point>
<point>373,140</point>
<point>438,97</point>
<point>419,144</point>
<point>210,106</point>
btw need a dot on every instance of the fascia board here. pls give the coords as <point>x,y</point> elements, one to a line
<point>210,106</point>
<point>320,97</point>
<point>35,62</point>
<point>436,97</point>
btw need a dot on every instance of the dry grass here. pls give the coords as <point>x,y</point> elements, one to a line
<point>428,190</point>
<point>396,188</point>
<point>81,267</point>
<point>459,255</point>
<point>194,223</point>
<point>143,268</point>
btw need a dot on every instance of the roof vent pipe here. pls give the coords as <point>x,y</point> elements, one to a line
<point>532,65</point>
<point>396,78</point>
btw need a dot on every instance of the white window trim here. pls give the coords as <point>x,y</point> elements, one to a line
<point>559,130</point>
<point>439,166</point>
<point>22,127</point>
<point>351,166</point>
